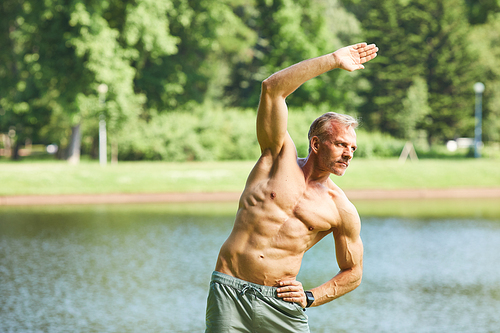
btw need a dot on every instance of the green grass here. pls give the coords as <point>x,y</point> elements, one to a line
<point>125,177</point>
<point>422,174</point>
<point>58,177</point>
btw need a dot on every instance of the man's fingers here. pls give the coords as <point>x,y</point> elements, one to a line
<point>370,49</point>
<point>290,288</point>
<point>359,45</point>
<point>368,53</point>
<point>293,286</point>
<point>291,294</point>
<point>292,291</point>
<point>292,299</point>
<point>367,58</point>
<point>290,283</point>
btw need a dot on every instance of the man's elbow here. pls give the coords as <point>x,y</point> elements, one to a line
<point>356,276</point>
<point>271,88</point>
<point>357,282</point>
<point>267,86</point>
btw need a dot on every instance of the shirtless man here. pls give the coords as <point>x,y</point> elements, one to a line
<point>288,205</point>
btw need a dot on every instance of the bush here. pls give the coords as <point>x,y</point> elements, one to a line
<point>200,135</point>
<point>376,144</point>
<point>214,134</point>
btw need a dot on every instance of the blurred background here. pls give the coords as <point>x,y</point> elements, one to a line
<point>179,80</point>
<point>170,89</point>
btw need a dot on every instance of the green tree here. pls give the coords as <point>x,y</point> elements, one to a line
<point>486,39</point>
<point>480,10</point>
<point>30,89</point>
<point>208,37</point>
<point>58,52</point>
<point>288,32</point>
<point>415,109</point>
<point>418,39</point>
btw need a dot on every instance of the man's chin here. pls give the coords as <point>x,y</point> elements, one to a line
<point>339,168</point>
<point>339,172</point>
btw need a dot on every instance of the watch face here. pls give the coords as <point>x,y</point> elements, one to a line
<point>310,298</point>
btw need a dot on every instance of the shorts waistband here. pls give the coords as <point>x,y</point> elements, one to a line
<point>242,285</point>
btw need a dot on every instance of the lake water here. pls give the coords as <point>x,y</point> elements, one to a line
<point>146,268</point>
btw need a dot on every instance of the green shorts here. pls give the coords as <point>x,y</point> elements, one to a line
<point>234,305</point>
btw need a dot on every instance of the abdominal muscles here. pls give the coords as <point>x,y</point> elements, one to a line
<point>264,251</point>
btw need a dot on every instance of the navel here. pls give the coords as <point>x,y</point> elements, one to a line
<point>261,256</point>
<point>273,195</point>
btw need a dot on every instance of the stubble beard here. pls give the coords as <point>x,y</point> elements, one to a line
<point>338,168</point>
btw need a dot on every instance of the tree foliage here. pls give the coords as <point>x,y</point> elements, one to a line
<point>60,51</point>
<point>486,39</point>
<point>424,45</point>
<point>480,10</point>
<point>287,32</point>
<point>161,57</point>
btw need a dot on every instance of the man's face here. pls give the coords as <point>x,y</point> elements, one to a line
<point>336,152</point>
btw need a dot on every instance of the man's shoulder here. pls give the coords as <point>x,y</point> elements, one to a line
<point>347,211</point>
<point>336,193</point>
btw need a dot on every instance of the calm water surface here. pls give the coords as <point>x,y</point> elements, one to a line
<point>146,268</point>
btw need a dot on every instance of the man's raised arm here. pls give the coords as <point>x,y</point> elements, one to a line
<point>273,113</point>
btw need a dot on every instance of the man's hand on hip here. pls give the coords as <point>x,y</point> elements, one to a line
<point>292,291</point>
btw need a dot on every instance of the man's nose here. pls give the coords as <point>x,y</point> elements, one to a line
<point>348,153</point>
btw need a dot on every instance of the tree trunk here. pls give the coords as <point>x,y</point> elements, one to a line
<point>15,151</point>
<point>74,145</point>
<point>114,152</point>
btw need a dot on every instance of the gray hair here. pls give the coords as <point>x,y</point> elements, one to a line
<point>321,127</point>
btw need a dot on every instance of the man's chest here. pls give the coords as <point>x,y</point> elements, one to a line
<point>312,206</point>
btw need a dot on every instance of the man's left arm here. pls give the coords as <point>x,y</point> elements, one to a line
<point>349,253</point>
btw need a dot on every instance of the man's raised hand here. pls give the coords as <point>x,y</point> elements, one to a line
<point>352,57</point>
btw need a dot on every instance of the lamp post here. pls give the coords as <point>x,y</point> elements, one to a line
<point>478,132</point>
<point>102,89</point>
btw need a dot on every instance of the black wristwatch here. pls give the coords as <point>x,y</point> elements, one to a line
<point>309,297</point>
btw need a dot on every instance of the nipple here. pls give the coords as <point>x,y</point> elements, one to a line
<point>273,195</point>
<point>311,228</point>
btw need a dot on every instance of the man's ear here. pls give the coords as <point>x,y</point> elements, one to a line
<point>315,142</point>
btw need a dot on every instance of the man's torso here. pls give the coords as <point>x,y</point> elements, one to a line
<point>280,217</point>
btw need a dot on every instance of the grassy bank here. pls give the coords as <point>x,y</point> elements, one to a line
<point>40,178</point>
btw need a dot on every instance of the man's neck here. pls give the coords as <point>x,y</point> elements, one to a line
<point>311,173</point>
